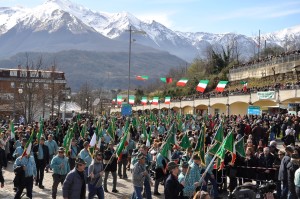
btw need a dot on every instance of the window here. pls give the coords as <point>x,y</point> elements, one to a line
<point>23,73</point>
<point>34,74</point>
<point>13,73</point>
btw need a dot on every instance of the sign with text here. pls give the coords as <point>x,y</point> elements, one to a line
<point>266,95</point>
<point>253,110</point>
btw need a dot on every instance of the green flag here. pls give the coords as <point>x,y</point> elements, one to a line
<point>214,148</point>
<point>229,142</point>
<point>200,146</point>
<point>40,130</point>
<point>111,130</point>
<point>220,134</point>
<point>83,130</point>
<point>165,148</point>
<point>225,146</point>
<point>122,143</point>
<point>12,129</point>
<point>239,147</point>
<point>185,142</point>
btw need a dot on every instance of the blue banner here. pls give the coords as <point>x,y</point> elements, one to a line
<point>126,110</point>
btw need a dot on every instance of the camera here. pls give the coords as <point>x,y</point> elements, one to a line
<point>269,187</point>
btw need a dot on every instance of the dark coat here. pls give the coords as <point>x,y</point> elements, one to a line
<point>173,188</point>
<point>110,162</point>
<point>282,175</point>
<point>292,166</point>
<point>73,184</point>
<point>250,173</point>
<point>2,163</point>
<point>35,149</point>
<point>266,162</point>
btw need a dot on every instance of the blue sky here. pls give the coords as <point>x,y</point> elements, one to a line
<point>216,16</point>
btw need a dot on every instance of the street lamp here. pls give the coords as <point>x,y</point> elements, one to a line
<point>20,91</point>
<point>129,55</point>
<point>87,105</point>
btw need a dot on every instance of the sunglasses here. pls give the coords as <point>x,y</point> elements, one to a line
<point>60,152</point>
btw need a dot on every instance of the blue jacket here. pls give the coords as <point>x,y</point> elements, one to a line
<point>55,165</point>
<point>29,163</point>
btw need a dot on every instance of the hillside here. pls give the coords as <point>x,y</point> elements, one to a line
<point>102,69</point>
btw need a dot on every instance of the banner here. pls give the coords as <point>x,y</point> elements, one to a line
<point>253,110</point>
<point>126,110</point>
<point>266,95</point>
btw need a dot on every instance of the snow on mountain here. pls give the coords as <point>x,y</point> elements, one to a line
<point>52,15</point>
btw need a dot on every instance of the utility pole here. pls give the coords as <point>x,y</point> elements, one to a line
<point>258,44</point>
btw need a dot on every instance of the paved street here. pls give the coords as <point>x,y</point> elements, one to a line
<point>124,186</point>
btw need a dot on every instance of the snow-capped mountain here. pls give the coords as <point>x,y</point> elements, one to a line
<point>92,30</point>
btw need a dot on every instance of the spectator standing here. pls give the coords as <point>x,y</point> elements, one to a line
<point>283,175</point>
<point>292,166</point>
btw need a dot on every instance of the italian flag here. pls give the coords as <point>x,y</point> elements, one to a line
<point>155,101</point>
<point>119,99</point>
<point>202,85</point>
<point>221,85</point>
<point>113,101</point>
<point>167,100</point>
<point>182,82</point>
<point>245,84</point>
<point>28,146</point>
<point>142,77</point>
<point>131,99</point>
<point>144,100</point>
<point>166,79</point>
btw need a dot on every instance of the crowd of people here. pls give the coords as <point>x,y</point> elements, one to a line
<point>268,58</point>
<point>183,172</point>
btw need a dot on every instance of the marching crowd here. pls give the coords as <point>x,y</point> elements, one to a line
<point>182,170</point>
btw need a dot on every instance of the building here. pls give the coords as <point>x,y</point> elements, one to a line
<point>26,91</point>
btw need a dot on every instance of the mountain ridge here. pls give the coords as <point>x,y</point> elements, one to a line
<point>186,45</point>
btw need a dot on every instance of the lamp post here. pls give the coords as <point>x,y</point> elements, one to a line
<point>20,91</point>
<point>129,55</point>
<point>87,105</point>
